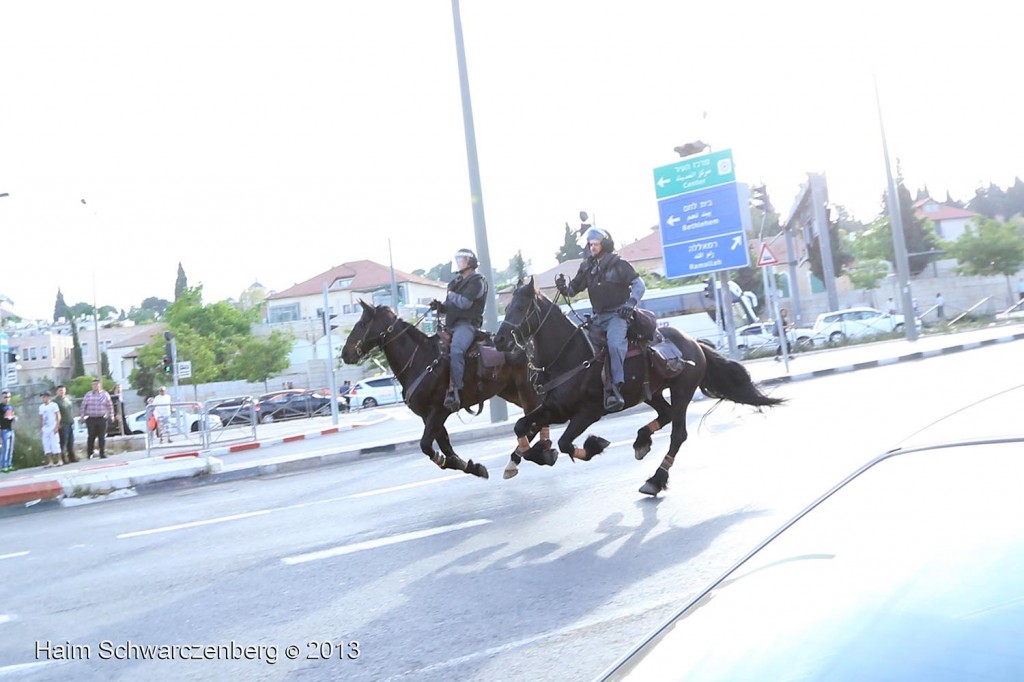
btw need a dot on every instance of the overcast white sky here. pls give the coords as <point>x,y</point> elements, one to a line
<point>271,141</point>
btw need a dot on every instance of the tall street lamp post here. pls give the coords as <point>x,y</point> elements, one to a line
<point>499,410</point>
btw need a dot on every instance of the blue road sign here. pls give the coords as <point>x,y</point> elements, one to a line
<point>694,173</point>
<point>702,232</point>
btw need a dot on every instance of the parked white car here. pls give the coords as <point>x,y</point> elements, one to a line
<point>854,323</point>
<point>189,421</point>
<point>761,336</point>
<point>383,390</point>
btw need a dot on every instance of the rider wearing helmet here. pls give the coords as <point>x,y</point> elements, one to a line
<point>464,314</point>
<point>614,289</point>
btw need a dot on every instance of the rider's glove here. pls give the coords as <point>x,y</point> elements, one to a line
<point>562,285</point>
<point>436,305</point>
<point>626,310</point>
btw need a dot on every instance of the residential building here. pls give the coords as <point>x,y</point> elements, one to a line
<point>950,222</point>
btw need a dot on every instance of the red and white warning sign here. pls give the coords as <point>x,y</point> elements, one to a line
<point>767,257</point>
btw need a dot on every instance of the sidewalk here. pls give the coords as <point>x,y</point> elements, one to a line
<point>126,474</point>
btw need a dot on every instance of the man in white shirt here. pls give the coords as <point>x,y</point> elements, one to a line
<point>49,425</point>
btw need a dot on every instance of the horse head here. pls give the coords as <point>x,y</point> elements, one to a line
<point>524,316</point>
<point>368,333</point>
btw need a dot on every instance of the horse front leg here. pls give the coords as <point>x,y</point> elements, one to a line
<point>526,428</point>
<point>642,444</point>
<point>592,446</point>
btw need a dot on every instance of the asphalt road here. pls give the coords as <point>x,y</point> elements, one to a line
<point>441,576</point>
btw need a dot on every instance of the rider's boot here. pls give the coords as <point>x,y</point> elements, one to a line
<point>451,399</point>
<point>613,401</point>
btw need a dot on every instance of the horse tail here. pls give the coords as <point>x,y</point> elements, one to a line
<point>727,379</point>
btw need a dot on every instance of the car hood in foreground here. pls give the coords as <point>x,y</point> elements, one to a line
<point>909,569</point>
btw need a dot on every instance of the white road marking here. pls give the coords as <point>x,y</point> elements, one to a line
<point>193,524</point>
<point>404,486</point>
<point>22,667</point>
<point>380,542</point>
<point>13,555</point>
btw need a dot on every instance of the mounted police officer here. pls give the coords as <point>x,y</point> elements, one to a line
<point>464,314</point>
<point>614,289</point>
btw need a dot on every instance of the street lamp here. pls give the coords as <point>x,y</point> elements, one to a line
<point>691,148</point>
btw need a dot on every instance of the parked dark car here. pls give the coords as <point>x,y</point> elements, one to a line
<point>235,411</point>
<point>909,569</point>
<point>296,406</point>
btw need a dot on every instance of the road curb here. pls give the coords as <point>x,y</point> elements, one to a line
<point>883,362</point>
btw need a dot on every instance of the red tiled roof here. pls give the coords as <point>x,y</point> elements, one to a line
<point>944,212</point>
<point>645,248</point>
<point>365,275</point>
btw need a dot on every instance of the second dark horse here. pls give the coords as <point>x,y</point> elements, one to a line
<point>573,391</point>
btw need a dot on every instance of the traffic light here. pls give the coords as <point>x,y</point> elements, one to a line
<point>584,224</point>
<point>328,321</point>
<point>12,357</point>
<point>168,365</point>
<point>759,199</point>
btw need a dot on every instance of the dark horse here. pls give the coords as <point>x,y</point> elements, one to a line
<point>573,389</point>
<point>422,369</point>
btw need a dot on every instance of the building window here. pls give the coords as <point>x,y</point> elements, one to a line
<point>342,283</point>
<point>44,353</point>
<point>346,308</point>
<point>283,313</point>
<point>32,353</point>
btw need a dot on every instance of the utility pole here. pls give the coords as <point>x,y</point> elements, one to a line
<point>498,407</point>
<point>898,240</point>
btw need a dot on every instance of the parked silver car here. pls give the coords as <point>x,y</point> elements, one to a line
<point>854,323</point>
<point>384,390</point>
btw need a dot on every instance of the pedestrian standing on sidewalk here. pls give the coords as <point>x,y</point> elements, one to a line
<point>67,424</point>
<point>940,306</point>
<point>7,419</point>
<point>162,412</point>
<point>97,408</point>
<point>49,426</point>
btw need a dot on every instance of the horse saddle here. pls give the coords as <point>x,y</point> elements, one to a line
<point>482,349</point>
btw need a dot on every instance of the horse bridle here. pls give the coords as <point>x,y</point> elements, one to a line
<point>515,329</point>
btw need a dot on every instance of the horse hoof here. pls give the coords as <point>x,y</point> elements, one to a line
<point>641,452</point>
<point>511,471</point>
<point>595,445</point>
<point>649,488</point>
<point>477,469</point>
<point>549,457</point>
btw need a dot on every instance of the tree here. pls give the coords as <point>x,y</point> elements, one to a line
<point>919,239</point>
<point>570,248</point>
<point>181,283</point>
<point>442,272</point>
<point>60,308</point>
<point>990,248</point>
<point>260,359</point>
<point>868,273</point>
<point>216,330</point>
<point>515,271</point>
<point>78,364</point>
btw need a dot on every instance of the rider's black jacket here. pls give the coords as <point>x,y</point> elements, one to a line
<point>606,279</point>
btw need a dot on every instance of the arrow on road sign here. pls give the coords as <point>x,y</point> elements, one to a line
<point>672,220</point>
<point>766,257</point>
<point>663,181</point>
<point>736,241</point>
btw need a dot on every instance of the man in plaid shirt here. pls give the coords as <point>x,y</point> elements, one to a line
<point>97,408</point>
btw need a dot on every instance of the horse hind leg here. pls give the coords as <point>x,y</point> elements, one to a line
<point>453,461</point>
<point>681,396</point>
